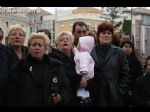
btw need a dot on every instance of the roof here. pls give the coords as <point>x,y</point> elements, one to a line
<point>85,9</point>
<point>142,10</point>
<point>42,11</point>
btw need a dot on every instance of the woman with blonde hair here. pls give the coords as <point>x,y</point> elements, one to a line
<point>16,50</point>
<point>64,43</point>
<point>38,80</point>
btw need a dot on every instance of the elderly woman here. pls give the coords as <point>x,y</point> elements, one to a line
<point>111,70</point>
<point>48,33</point>
<point>38,80</point>
<point>16,50</point>
<point>64,43</point>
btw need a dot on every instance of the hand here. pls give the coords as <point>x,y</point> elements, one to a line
<point>130,93</point>
<point>56,98</point>
<point>83,83</point>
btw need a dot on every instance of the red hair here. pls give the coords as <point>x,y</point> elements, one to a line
<point>104,26</point>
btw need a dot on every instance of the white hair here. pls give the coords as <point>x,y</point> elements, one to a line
<point>68,33</point>
<point>14,27</point>
<point>40,35</point>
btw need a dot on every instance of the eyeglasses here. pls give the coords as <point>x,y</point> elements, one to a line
<point>63,39</point>
<point>19,34</point>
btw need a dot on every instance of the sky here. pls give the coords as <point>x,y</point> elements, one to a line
<point>52,9</point>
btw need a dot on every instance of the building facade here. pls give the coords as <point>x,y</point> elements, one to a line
<point>10,17</point>
<point>142,30</point>
<point>30,19</point>
<point>140,17</point>
<point>42,20</point>
<point>89,15</point>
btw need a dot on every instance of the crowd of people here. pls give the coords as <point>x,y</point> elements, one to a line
<point>85,69</point>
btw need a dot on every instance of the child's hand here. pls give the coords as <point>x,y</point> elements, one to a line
<point>83,83</point>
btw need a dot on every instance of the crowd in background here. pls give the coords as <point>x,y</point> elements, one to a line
<point>85,69</point>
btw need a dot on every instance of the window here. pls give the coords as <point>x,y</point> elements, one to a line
<point>147,33</point>
<point>146,20</point>
<point>30,29</point>
<point>36,28</point>
<point>62,24</point>
<point>7,24</point>
<point>88,27</point>
<point>41,18</point>
<point>71,24</point>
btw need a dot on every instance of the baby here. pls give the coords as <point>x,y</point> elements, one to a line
<point>84,62</point>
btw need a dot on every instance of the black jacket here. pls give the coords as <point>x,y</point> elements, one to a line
<point>135,69</point>
<point>69,66</point>
<point>141,92</point>
<point>23,88</point>
<point>111,77</point>
<point>12,57</point>
<point>3,74</point>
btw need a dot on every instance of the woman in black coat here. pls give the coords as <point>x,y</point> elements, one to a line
<point>15,50</point>
<point>134,64</point>
<point>64,43</point>
<point>135,68</point>
<point>3,74</point>
<point>141,92</point>
<point>111,72</point>
<point>38,80</point>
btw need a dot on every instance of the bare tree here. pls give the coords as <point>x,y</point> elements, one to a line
<point>113,13</point>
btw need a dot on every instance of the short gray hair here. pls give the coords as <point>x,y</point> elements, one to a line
<point>40,35</point>
<point>65,33</point>
<point>14,27</point>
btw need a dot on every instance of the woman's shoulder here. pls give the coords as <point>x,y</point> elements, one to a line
<point>54,61</point>
<point>116,47</point>
<point>118,50</point>
<point>55,54</point>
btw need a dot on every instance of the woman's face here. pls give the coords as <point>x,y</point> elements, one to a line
<point>105,37</point>
<point>64,43</point>
<point>16,37</point>
<point>37,48</point>
<point>148,66</point>
<point>127,48</point>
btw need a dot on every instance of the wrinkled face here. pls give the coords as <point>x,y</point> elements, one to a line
<point>148,66</point>
<point>105,37</point>
<point>16,37</point>
<point>65,43</point>
<point>124,37</point>
<point>37,48</point>
<point>127,48</point>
